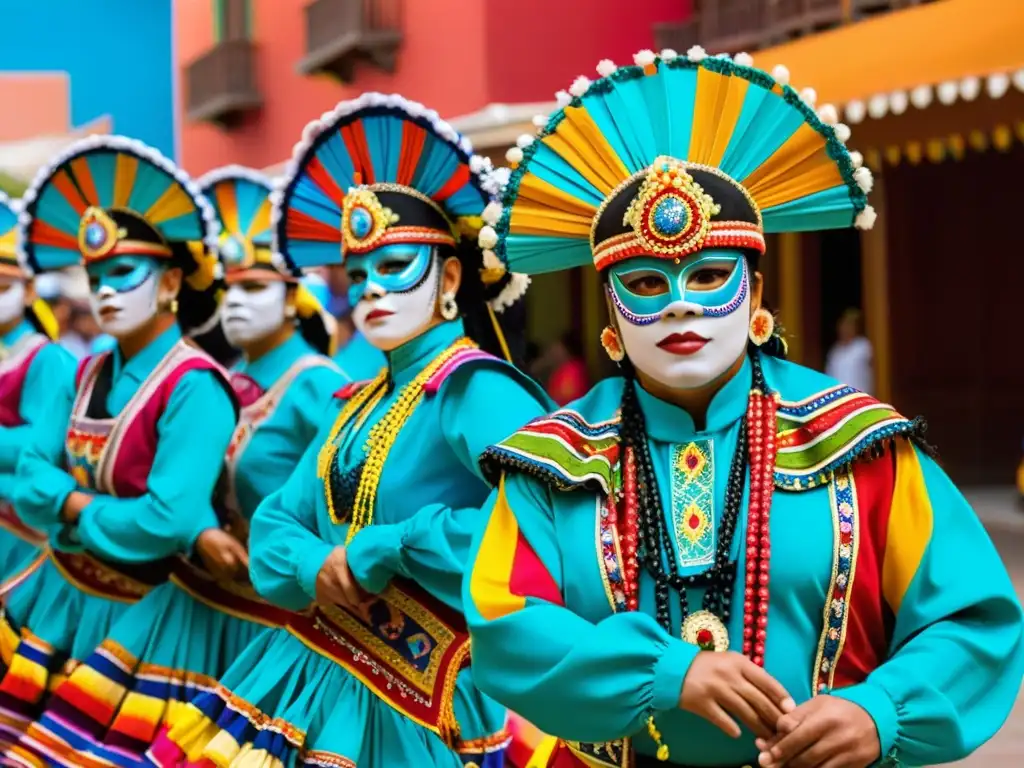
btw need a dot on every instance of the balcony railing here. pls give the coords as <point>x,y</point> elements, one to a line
<point>222,83</point>
<point>339,33</point>
<point>731,26</point>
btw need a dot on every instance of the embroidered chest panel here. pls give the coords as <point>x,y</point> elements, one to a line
<point>693,503</point>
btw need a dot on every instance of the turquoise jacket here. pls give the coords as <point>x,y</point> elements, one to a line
<point>931,648</point>
<point>278,443</point>
<point>48,392</point>
<point>359,359</point>
<point>195,429</point>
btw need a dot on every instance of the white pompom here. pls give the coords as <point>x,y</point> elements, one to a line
<point>563,98</point>
<point>605,67</point>
<point>477,164</point>
<point>864,179</point>
<point>1018,79</point>
<point>842,132</point>
<point>921,96</point>
<point>744,60</point>
<point>540,121</point>
<point>524,141</point>
<point>998,85</point>
<point>488,237</point>
<point>514,155</point>
<point>511,293</point>
<point>857,159</point>
<point>866,218</point>
<point>492,213</point>
<point>696,53</point>
<point>947,92</point>
<point>781,75</point>
<point>898,102</point>
<point>970,87</point>
<point>644,58</point>
<point>856,111</point>
<point>810,96</point>
<point>878,105</point>
<point>579,86</point>
<point>828,114</point>
<point>669,54</point>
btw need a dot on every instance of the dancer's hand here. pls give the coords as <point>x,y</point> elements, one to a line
<point>222,554</point>
<point>825,732</point>
<point>335,584</point>
<point>73,505</point>
<point>722,686</point>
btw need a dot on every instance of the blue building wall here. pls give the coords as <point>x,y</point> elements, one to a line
<point>118,54</point>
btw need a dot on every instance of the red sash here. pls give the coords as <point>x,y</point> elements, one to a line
<point>235,598</point>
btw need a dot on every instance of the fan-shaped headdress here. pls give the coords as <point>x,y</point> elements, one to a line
<point>381,170</point>
<point>39,313</point>
<point>108,196</point>
<point>671,156</point>
<point>241,200</point>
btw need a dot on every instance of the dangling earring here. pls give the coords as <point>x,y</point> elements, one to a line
<point>762,326</point>
<point>612,344</point>
<point>289,312</point>
<point>170,305</point>
<point>449,309</point>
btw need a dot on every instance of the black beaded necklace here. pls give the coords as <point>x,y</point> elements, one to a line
<point>655,554</point>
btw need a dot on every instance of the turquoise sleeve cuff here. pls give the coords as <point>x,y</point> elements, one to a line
<point>670,672</point>
<point>375,556</point>
<point>310,567</point>
<point>873,699</point>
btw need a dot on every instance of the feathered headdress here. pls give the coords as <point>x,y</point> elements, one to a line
<point>108,196</point>
<point>380,170</point>
<point>673,155</point>
<point>241,199</point>
<point>39,313</point>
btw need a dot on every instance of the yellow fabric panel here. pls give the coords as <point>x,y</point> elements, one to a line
<point>174,202</point>
<point>96,685</point>
<point>542,755</point>
<point>537,190</point>
<point>125,168</point>
<point>910,526</point>
<point>261,220</point>
<point>580,120</point>
<point>798,168</point>
<point>528,219</point>
<point>716,109</point>
<point>927,44</point>
<point>492,571</point>
<point>571,145</point>
<point>9,244</point>
<point>227,206</point>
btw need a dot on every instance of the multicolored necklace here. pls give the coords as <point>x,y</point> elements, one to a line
<point>378,443</point>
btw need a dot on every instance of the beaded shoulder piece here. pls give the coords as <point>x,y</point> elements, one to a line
<point>827,432</point>
<point>563,450</point>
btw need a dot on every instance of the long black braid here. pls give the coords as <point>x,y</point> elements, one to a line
<point>655,549</point>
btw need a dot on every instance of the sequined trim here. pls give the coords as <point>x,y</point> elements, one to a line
<point>846,536</point>
<point>610,555</point>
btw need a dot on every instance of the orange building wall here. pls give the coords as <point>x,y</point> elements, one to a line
<point>438,64</point>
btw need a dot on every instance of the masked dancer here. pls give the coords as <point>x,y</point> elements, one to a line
<point>720,558</point>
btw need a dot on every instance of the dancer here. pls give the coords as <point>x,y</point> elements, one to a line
<point>375,522</point>
<point>35,378</point>
<point>149,428</point>
<point>185,633</point>
<point>719,546</point>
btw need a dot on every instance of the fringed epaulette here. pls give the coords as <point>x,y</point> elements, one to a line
<point>562,450</point>
<point>349,391</point>
<point>828,431</point>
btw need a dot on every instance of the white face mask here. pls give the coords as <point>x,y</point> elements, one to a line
<point>122,304</point>
<point>687,344</point>
<point>388,319</point>
<point>253,310</point>
<point>12,302</point>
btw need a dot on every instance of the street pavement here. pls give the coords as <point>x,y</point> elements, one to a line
<point>1004,519</point>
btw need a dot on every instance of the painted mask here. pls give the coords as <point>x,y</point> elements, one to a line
<point>685,324</point>
<point>253,309</point>
<point>123,293</point>
<point>393,292</point>
<point>12,300</point>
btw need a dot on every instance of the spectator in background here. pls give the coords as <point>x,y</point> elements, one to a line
<point>850,361</point>
<point>569,380</point>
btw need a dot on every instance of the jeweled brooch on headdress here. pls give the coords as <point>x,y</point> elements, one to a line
<point>363,220</point>
<point>671,214</point>
<point>97,233</point>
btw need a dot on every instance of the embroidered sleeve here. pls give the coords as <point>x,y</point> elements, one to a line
<point>956,657</point>
<point>585,681</point>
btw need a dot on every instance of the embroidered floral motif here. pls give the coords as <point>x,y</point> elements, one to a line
<point>693,487</point>
<point>608,541</point>
<point>843,498</point>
